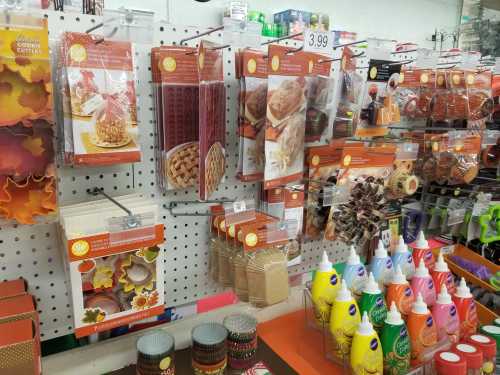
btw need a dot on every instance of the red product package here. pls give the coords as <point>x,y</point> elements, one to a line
<point>212,119</point>
<point>100,109</point>
<point>285,117</point>
<point>177,101</point>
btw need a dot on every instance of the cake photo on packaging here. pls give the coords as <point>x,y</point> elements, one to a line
<point>253,128</point>
<point>212,119</point>
<point>285,116</point>
<point>101,108</point>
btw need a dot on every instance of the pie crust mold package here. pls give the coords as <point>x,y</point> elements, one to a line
<point>285,116</point>
<point>212,119</point>
<point>27,180</point>
<point>176,92</point>
<point>99,102</point>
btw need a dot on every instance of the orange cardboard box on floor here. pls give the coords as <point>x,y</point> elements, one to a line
<point>19,324</point>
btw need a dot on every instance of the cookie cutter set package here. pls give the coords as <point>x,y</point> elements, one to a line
<point>113,262</point>
<point>27,171</point>
<point>189,97</point>
<point>98,103</point>
<point>364,172</point>
<point>252,110</point>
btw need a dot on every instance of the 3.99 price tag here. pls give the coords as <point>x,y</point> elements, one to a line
<point>318,41</point>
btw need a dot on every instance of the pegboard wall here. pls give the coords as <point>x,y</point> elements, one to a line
<point>33,252</point>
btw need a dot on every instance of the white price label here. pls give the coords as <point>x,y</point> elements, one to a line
<point>318,41</point>
<point>239,206</point>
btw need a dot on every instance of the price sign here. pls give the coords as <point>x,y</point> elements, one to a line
<point>318,41</point>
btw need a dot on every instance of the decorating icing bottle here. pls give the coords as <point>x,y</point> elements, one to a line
<point>422,251</point>
<point>381,265</point>
<point>395,343</point>
<point>324,289</point>
<point>354,273</point>
<point>466,308</point>
<point>446,317</point>
<point>400,292</point>
<point>372,301</point>
<point>422,331</point>
<point>422,283</point>
<point>441,275</point>
<point>366,352</point>
<point>403,258</point>
<point>344,319</point>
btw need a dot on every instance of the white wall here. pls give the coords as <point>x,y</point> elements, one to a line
<point>405,20</point>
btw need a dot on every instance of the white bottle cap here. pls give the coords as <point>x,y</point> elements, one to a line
<point>419,306</point>
<point>463,290</point>
<point>325,265</point>
<point>421,270</point>
<point>393,316</point>
<point>398,277</point>
<point>344,294</point>
<point>421,242</point>
<point>401,248</point>
<point>371,286</point>
<point>441,265</point>
<point>443,297</point>
<point>353,259</point>
<point>365,328</point>
<point>381,252</point>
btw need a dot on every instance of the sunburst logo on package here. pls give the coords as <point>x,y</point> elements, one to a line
<point>99,101</point>
<point>27,181</point>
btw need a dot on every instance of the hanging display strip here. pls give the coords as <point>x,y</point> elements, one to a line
<point>33,252</point>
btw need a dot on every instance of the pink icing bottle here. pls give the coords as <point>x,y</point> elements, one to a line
<point>422,251</point>
<point>422,283</point>
<point>442,276</point>
<point>446,317</point>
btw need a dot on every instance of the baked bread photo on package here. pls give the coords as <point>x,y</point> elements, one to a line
<point>255,104</point>
<point>287,99</point>
<point>182,165</point>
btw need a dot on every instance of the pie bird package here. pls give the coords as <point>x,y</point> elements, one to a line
<point>253,114</point>
<point>114,262</point>
<point>285,116</point>
<point>99,108</point>
<point>27,180</point>
<point>379,108</point>
<point>176,93</point>
<point>212,119</point>
<point>319,95</point>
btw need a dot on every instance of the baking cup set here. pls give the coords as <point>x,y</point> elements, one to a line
<point>209,351</point>
<point>241,341</point>
<point>155,354</point>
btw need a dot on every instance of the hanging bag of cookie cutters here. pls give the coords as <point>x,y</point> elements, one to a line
<point>212,118</point>
<point>27,169</point>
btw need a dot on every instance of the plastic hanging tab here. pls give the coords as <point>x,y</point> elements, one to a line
<point>239,211</point>
<point>242,33</point>
<point>128,24</point>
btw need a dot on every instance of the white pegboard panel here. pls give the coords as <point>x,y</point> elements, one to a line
<point>33,252</point>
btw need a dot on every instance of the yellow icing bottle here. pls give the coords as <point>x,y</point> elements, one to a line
<point>324,289</point>
<point>366,351</point>
<point>344,319</point>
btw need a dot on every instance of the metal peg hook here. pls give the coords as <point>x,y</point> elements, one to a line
<point>349,44</point>
<point>340,58</point>
<point>281,38</point>
<point>175,204</point>
<point>201,34</point>
<point>132,221</point>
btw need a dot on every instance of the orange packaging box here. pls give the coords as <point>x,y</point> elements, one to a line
<point>13,288</point>
<point>19,348</point>
<point>21,308</point>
